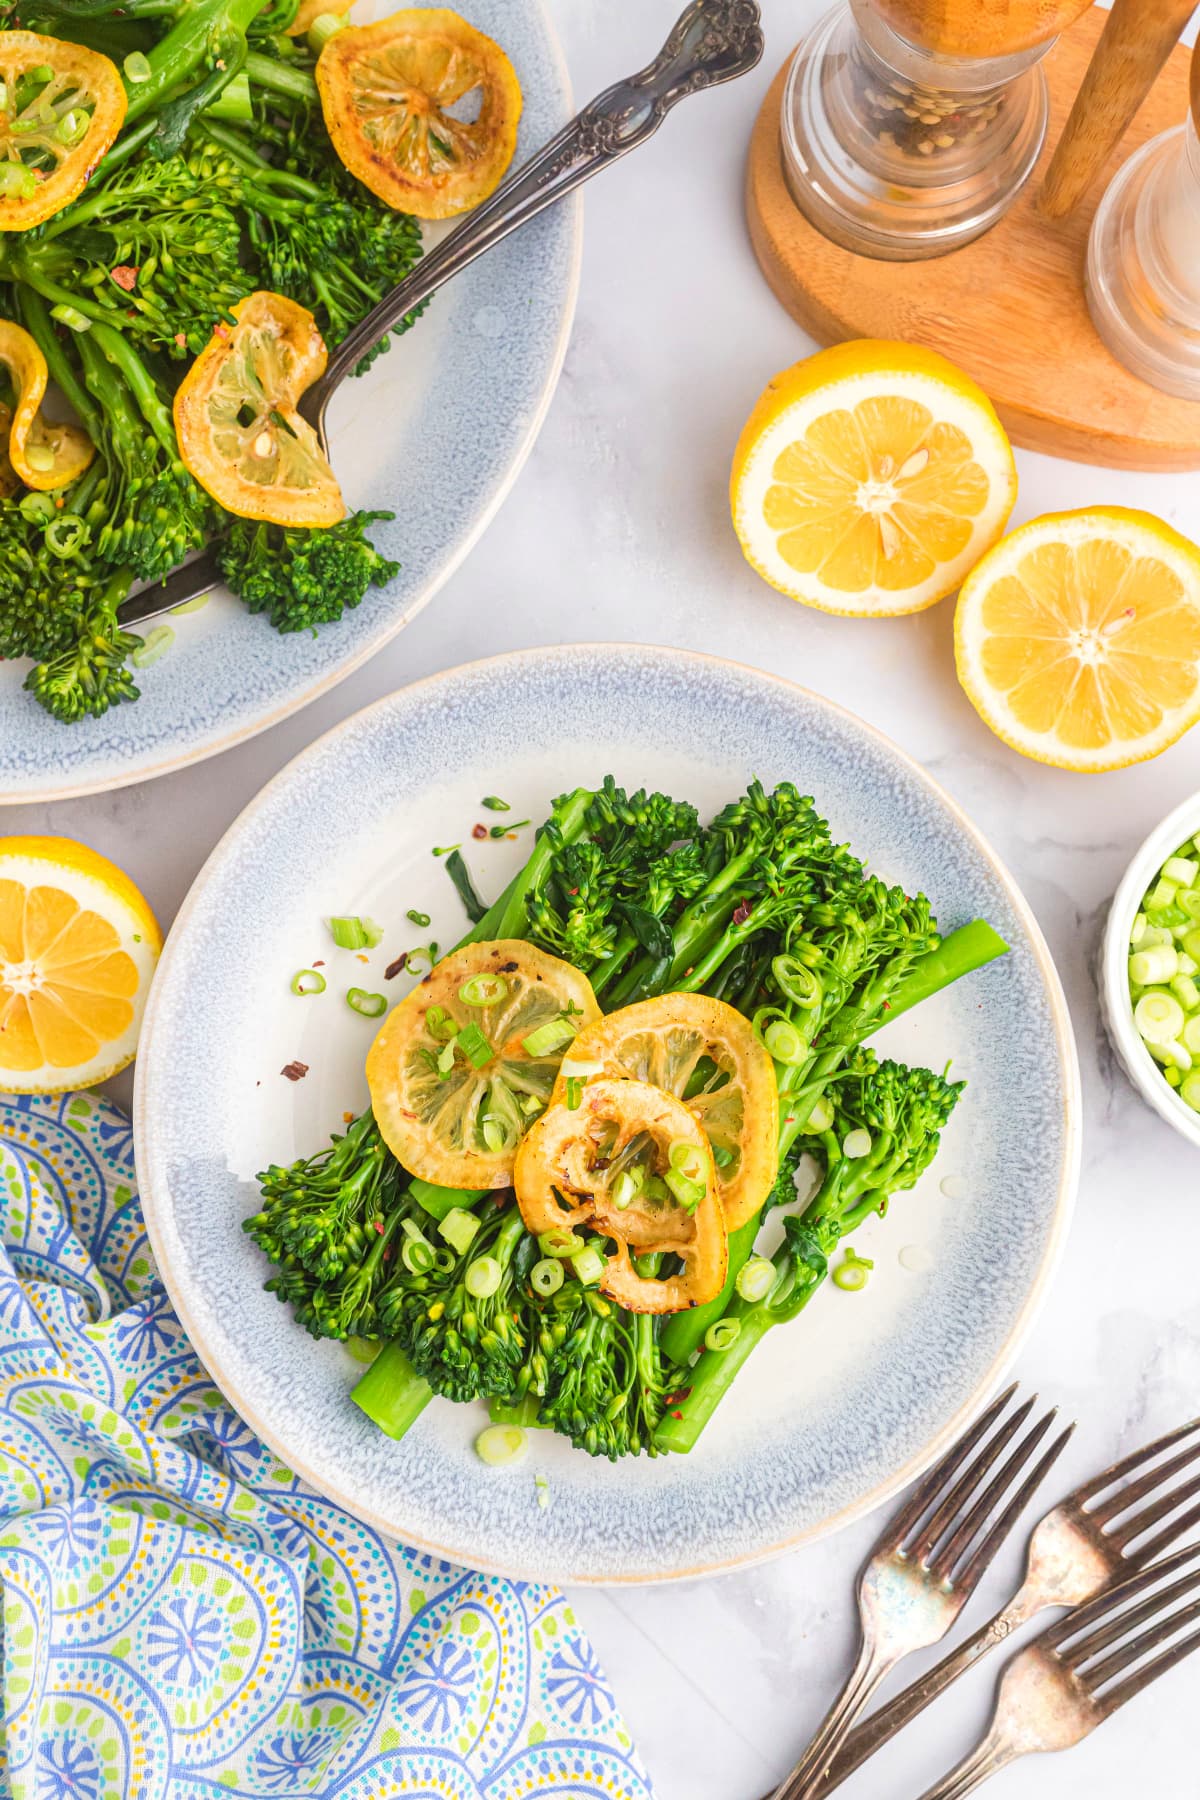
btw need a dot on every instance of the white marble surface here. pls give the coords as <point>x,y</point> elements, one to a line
<point>618,529</point>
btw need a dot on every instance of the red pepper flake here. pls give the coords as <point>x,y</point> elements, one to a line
<point>887,1006</point>
<point>363,958</point>
<point>479,831</point>
<point>125,275</point>
<point>378,1224</point>
<point>677,1415</point>
<point>741,912</point>
<point>347,1118</point>
<point>295,1071</point>
<point>319,964</point>
<point>221,331</point>
<point>180,340</point>
<point>394,968</point>
<point>572,890</point>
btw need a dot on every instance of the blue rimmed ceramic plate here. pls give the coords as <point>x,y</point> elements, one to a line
<point>838,1409</point>
<point>436,431</point>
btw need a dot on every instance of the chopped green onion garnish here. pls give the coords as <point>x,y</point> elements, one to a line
<point>71,317</point>
<point>573,1068</point>
<point>1158,1017</point>
<point>546,1276</point>
<point>483,990</point>
<point>445,1061</point>
<point>474,1046</point>
<point>852,1272</point>
<point>588,1265</point>
<point>541,1487</point>
<point>352,933</point>
<point>628,1185</point>
<point>483,1277</point>
<point>371,1006</point>
<point>797,981</point>
<point>72,127</point>
<point>549,1037</point>
<point>418,918</point>
<point>560,1242</point>
<point>688,1193</point>
<point>722,1333</point>
<point>821,1116</point>
<point>16,181</point>
<point>785,1042</point>
<point>1147,968</point>
<point>755,1279</point>
<point>856,1143</point>
<point>323,27</point>
<point>417,1256</point>
<point>36,507</point>
<point>722,1155</point>
<point>308,981</point>
<point>500,1445</point>
<point>574,1092</point>
<point>154,645</point>
<point>66,535</point>
<point>459,1228</point>
<point>440,1025</point>
<point>1189,1091</point>
<point>494,803</point>
<point>137,67</point>
<point>688,1159</point>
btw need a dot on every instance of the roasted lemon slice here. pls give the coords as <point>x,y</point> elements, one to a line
<point>387,91</point>
<point>633,1163</point>
<point>707,1055</point>
<point>45,456</point>
<point>467,1061</point>
<point>239,432</point>
<point>78,946</point>
<point>63,106</point>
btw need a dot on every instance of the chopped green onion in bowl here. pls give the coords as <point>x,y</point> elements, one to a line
<point>1164,959</point>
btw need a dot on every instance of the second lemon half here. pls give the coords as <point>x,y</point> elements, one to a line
<point>870,478</point>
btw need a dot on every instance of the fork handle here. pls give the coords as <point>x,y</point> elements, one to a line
<point>988,1758</point>
<point>806,1778</point>
<point>884,1724</point>
<point>712,41</point>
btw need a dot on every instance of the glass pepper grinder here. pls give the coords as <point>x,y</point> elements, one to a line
<point>909,126</point>
<point>1143,265</point>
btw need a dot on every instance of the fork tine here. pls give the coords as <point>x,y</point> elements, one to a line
<point>1151,1515</point>
<point>1125,1497</point>
<point>982,1555</point>
<point>1148,1552</point>
<point>1142,1678</point>
<point>927,1490</point>
<point>1093,1611</point>
<point>1119,1625</point>
<point>947,1555</point>
<point>1134,1460</point>
<point>962,1490</point>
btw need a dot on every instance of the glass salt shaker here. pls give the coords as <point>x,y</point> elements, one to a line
<point>908,128</point>
<point>1143,264</point>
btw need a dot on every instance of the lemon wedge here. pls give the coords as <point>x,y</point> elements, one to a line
<point>870,478</point>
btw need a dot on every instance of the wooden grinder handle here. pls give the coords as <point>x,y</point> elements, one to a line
<point>1135,43</point>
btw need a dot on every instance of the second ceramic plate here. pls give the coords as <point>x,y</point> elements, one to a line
<point>838,1409</point>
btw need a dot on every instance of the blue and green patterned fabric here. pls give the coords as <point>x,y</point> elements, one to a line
<point>182,1616</point>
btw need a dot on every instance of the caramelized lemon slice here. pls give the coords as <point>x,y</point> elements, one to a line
<point>43,455</point>
<point>1078,638</point>
<point>63,106</point>
<point>870,478</point>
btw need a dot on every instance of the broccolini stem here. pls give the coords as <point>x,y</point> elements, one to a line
<point>509,917</point>
<point>967,949</point>
<point>711,1380</point>
<point>125,359</point>
<point>277,78</point>
<point>391,1393</point>
<point>251,163</point>
<point>186,46</point>
<point>40,327</point>
<point>522,1412</point>
<point>683,1333</point>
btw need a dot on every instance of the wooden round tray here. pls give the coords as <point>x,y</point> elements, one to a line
<point>1008,308</point>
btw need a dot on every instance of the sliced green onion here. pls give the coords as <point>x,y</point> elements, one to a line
<point>1172,1077</point>
<point>1187,966</point>
<point>722,1333</point>
<point>66,535</point>
<point>1174,1055</point>
<point>483,1277</point>
<point>549,1037</point>
<point>1158,1017</point>
<point>856,1143</point>
<point>71,317</point>
<point>474,1046</point>
<point>1189,902</point>
<point>574,1093</point>
<point>496,1137</point>
<point>574,1068</point>
<point>546,1276</point>
<point>16,181</point>
<point>1147,968</point>
<point>154,645</point>
<point>560,1242</point>
<point>1137,930</point>
<point>755,1279</point>
<point>137,67</point>
<point>323,27</point>
<point>352,933</point>
<point>1191,944</point>
<point>723,1155</point>
<point>459,1228</point>
<point>444,1063</point>
<point>36,507</point>
<point>1191,1035</point>
<point>72,127</point>
<point>308,981</point>
<point>371,1006</point>
<point>1181,870</point>
<point>494,803</point>
<point>797,981</point>
<point>820,1117</point>
<point>417,1256</point>
<point>1187,993</point>
<point>363,1350</point>
<point>589,1265</point>
<point>1161,895</point>
<point>688,1159</point>
<point>852,1272</point>
<point>418,918</point>
<point>1189,1091</point>
<point>628,1185</point>
<point>234,102</point>
<point>440,1025</point>
<point>541,1487</point>
<point>483,990</point>
<point>688,1193</point>
<point>501,1445</point>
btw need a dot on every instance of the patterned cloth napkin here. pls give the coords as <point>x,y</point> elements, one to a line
<point>182,1617</point>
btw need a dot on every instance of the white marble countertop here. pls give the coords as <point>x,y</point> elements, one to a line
<point>618,529</point>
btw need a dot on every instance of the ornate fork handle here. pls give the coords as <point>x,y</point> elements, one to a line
<point>712,41</point>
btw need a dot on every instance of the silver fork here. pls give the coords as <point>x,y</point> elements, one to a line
<point>1059,1688</point>
<point>1087,1542</point>
<point>928,1561</point>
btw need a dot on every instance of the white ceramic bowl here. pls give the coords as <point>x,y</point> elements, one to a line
<point>1134,1057</point>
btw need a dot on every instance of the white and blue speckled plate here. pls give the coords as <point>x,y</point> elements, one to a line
<point>838,1409</point>
<point>437,432</point>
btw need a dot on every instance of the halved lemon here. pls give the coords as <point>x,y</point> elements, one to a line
<point>467,1061</point>
<point>397,99</point>
<point>1078,638</point>
<point>870,478</point>
<point>239,432</point>
<point>78,946</point>
<point>707,1055</point>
